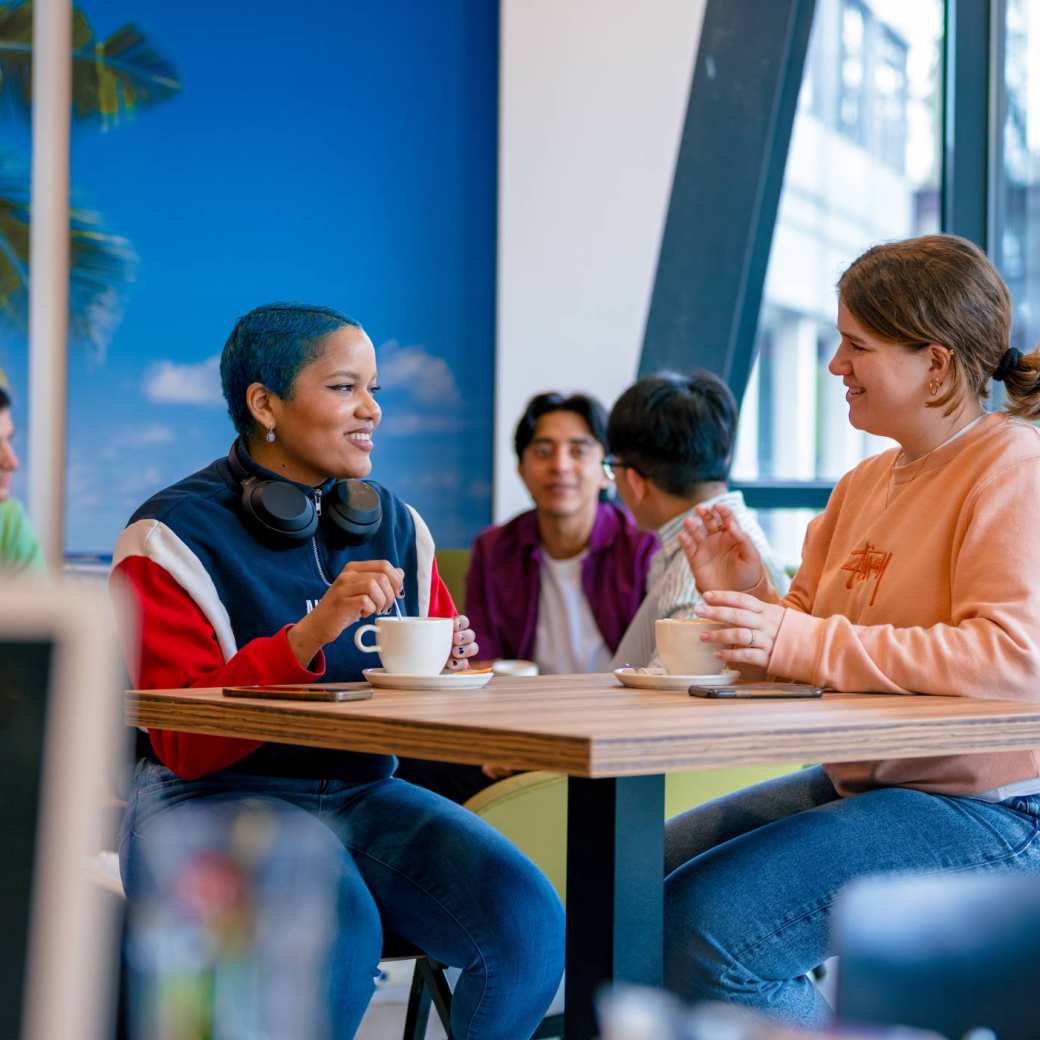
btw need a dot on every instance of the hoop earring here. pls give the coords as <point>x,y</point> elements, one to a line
<point>270,436</point>
<point>934,386</point>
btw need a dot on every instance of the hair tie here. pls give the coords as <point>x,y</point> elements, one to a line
<point>1008,363</point>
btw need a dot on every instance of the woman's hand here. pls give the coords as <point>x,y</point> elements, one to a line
<point>361,589</point>
<point>719,552</point>
<point>464,645</point>
<point>754,624</point>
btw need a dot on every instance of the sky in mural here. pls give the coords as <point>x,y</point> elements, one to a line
<point>341,154</point>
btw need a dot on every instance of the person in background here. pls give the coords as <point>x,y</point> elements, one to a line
<point>560,583</point>
<point>257,569</point>
<point>19,549</point>
<point>918,578</point>
<point>671,444</point>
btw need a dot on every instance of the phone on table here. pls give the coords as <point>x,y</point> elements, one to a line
<point>315,692</point>
<point>754,690</point>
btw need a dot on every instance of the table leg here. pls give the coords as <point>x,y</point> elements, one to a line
<point>615,874</point>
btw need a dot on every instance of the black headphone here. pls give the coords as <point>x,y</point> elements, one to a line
<point>282,508</point>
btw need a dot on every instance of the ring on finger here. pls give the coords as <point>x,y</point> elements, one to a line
<point>751,637</point>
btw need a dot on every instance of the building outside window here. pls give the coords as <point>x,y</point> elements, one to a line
<point>863,167</point>
<point>852,100</point>
<point>1016,246</point>
<point>891,94</point>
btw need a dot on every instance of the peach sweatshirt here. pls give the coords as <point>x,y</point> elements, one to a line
<point>924,578</point>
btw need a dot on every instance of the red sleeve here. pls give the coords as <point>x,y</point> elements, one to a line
<point>178,648</point>
<point>441,603</point>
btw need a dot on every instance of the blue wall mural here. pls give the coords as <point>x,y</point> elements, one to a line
<point>342,154</point>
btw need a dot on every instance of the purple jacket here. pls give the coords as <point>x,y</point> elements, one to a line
<point>504,580</point>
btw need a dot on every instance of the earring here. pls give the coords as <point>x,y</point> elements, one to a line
<point>934,386</point>
<point>270,436</point>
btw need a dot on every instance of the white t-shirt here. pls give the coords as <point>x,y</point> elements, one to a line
<point>567,639</point>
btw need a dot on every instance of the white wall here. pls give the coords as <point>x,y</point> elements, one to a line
<point>592,101</point>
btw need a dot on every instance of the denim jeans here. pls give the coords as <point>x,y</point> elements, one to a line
<point>751,877</point>
<point>429,870</point>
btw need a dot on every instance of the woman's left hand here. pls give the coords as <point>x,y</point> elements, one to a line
<point>753,627</point>
<point>463,645</point>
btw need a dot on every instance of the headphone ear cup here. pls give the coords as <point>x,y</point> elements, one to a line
<point>280,508</point>
<point>355,508</point>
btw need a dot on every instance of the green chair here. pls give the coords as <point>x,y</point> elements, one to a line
<point>531,808</point>
<point>452,565</point>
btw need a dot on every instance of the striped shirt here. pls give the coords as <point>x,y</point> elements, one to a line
<point>671,591</point>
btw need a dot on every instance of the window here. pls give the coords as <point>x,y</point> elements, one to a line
<point>852,99</point>
<point>1016,245</point>
<point>863,167</point>
<point>890,94</point>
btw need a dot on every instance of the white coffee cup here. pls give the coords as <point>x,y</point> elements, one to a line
<point>409,646</point>
<point>680,648</point>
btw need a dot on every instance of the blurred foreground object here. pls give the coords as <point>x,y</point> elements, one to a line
<point>215,947</point>
<point>60,723</point>
<point>637,1013</point>
<point>955,954</point>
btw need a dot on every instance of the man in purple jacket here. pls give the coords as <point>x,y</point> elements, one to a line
<point>560,583</point>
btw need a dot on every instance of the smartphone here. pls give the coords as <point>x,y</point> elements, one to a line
<point>758,689</point>
<point>317,692</point>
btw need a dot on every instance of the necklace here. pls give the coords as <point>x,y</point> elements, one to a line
<point>949,440</point>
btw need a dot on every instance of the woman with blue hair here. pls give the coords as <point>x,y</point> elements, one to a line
<point>252,571</point>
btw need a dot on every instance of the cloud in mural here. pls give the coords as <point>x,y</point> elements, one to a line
<point>168,382</point>
<point>138,437</point>
<point>402,423</point>
<point>426,378</point>
<point>430,401</point>
<point>147,436</point>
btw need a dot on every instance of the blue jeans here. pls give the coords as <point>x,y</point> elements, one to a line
<point>429,870</point>
<point>751,877</point>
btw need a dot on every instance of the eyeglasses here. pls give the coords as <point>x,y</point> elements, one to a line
<point>611,463</point>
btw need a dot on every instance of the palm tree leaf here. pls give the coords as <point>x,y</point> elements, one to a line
<point>14,238</point>
<point>110,78</point>
<point>117,75</point>
<point>100,266</point>
<point>16,54</point>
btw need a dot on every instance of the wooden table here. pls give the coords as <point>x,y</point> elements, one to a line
<point>616,745</point>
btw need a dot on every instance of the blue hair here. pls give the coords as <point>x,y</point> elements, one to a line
<point>270,345</point>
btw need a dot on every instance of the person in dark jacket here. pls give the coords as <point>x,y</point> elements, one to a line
<point>560,583</point>
<point>256,570</point>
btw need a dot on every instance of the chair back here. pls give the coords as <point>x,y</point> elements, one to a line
<point>452,565</point>
<point>531,808</point>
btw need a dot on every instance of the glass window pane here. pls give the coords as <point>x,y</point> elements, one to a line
<point>852,103</point>
<point>863,167</point>
<point>1017,242</point>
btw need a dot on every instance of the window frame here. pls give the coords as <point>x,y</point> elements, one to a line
<point>973,100</point>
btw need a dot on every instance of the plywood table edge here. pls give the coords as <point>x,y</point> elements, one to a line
<point>269,721</point>
<point>622,756</point>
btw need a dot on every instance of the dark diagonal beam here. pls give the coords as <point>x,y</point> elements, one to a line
<point>728,176</point>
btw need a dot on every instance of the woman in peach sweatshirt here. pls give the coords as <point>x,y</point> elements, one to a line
<point>919,577</point>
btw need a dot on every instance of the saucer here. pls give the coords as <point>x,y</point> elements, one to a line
<point>641,679</point>
<point>444,681</point>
